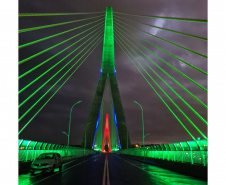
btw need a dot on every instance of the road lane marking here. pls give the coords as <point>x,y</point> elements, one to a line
<point>62,171</point>
<point>106,172</point>
<point>108,178</point>
<point>68,162</point>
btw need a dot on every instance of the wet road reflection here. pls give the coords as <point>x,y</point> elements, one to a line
<point>111,170</point>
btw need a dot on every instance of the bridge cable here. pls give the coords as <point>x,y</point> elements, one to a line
<point>61,68</point>
<point>54,83</point>
<point>160,77</point>
<point>119,44</point>
<point>165,29</point>
<point>51,36</point>
<point>182,47</point>
<point>171,77</point>
<point>168,97</point>
<point>57,24</point>
<point>197,84</point>
<point>169,18</point>
<point>190,65</point>
<point>60,60</point>
<point>41,52</point>
<point>62,84</point>
<point>55,14</point>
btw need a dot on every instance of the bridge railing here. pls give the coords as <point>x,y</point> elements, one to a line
<point>194,152</point>
<point>30,150</point>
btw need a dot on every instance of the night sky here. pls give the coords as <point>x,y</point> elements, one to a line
<point>159,122</point>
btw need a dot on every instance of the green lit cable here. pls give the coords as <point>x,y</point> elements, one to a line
<point>57,24</point>
<point>45,38</point>
<point>174,31</point>
<point>52,86</point>
<point>53,14</point>
<point>21,104</point>
<point>41,52</point>
<point>34,68</point>
<point>163,81</point>
<point>197,84</point>
<point>171,77</point>
<point>169,97</point>
<point>190,65</point>
<point>157,92</point>
<point>169,18</point>
<point>59,88</point>
<point>58,62</point>
<point>182,47</point>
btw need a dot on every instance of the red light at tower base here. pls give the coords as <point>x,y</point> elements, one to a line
<point>106,135</point>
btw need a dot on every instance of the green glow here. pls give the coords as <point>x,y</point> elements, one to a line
<point>45,38</point>
<point>60,69</point>
<point>182,47</point>
<point>97,43</point>
<point>170,76</point>
<point>56,63</point>
<point>108,58</point>
<point>168,96</point>
<point>198,85</point>
<point>97,149</point>
<point>184,156</point>
<point>41,52</point>
<point>54,83</point>
<point>156,91</point>
<point>162,79</point>
<point>52,25</point>
<point>53,14</point>
<point>169,18</point>
<point>174,31</point>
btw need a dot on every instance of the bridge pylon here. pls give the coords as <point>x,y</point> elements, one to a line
<point>108,72</point>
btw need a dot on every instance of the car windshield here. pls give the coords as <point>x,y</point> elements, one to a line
<point>46,156</point>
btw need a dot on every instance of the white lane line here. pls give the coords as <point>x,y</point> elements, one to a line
<point>108,178</point>
<point>150,173</point>
<point>61,171</point>
<point>68,162</point>
<point>104,174</point>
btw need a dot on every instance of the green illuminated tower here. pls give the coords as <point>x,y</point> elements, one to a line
<point>94,124</point>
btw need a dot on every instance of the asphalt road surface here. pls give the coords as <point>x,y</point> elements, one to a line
<point>108,169</point>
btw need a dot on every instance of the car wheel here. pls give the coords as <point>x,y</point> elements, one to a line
<point>32,172</point>
<point>60,168</point>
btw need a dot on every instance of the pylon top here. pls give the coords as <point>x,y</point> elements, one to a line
<point>108,59</point>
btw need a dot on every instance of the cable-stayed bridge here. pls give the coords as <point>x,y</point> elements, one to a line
<point>44,72</point>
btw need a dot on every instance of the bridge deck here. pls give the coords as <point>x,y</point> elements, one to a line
<point>109,169</point>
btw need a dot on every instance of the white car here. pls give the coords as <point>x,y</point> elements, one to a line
<point>47,162</point>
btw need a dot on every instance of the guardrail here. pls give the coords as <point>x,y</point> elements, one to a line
<point>194,152</point>
<point>29,150</point>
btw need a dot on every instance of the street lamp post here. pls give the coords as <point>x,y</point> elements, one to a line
<point>69,129</point>
<point>127,133</point>
<point>142,119</point>
<point>85,137</point>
